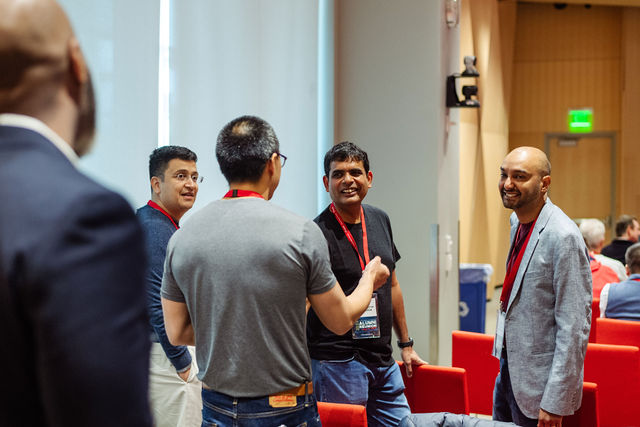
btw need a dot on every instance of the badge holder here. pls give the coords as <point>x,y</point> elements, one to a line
<point>368,325</point>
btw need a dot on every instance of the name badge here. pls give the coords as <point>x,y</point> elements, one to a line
<point>368,325</point>
<point>498,339</point>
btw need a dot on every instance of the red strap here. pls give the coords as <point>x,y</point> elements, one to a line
<point>365,242</point>
<point>242,193</point>
<point>157,207</point>
<point>512,268</point>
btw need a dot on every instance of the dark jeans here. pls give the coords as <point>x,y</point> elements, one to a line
<point>505,407</point>
<point>222,410</point>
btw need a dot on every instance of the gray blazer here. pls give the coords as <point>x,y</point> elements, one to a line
<point>548,316</point>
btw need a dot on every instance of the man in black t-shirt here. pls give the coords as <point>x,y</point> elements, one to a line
<point>358,367</point>
<point>627,233</point>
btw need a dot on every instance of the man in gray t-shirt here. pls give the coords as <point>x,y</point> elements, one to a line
<point>236,278</point>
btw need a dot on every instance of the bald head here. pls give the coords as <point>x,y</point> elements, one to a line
<point>524,182</point>
<point>535,160</point>
<point>44,74</point>
<point>34,38</point>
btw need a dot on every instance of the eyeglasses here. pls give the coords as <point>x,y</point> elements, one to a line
<point>283,159</point>
<point>182,177</point>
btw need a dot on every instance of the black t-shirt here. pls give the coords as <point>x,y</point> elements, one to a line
<point>324,344</point>
<point>617,249</point>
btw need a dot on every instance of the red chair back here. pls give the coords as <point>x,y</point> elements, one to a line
<point>342,415</point>
<point>436,389</point>
<point>595,313</point>
<point>616,331</point>
<point>616,370</point>
<point>587,415</point>
<point>472,351</point>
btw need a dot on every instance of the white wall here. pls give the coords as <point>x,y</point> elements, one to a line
<point>390,100</point>
<point>251,57</point>
<point>123,57</point>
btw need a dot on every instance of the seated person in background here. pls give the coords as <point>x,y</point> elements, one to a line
<point>627,232</point>
<point>593,233</point>
<point>603,269</point>
<point>622,300</point>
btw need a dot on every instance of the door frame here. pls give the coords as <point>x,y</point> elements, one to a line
<point>548,136</point>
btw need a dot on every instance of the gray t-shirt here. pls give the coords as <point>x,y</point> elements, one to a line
<point>244,268</point>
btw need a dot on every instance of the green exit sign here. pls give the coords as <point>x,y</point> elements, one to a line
<point>580,120</point>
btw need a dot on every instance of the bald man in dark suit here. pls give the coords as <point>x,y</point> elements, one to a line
<point>72,303</point>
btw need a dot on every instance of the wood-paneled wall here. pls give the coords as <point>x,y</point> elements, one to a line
<point>574,58</point>
<point>564,59</point>
<point>629,161</point>
<point>536,63</point>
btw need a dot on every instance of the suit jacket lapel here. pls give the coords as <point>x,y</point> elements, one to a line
<point>541,223</point>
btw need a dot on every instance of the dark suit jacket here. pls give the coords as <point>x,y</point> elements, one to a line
<point>73,323</point>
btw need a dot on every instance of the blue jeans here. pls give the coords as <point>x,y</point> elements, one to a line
<point>505,407</point>
<point>222,410</point>
<point>379,388</point>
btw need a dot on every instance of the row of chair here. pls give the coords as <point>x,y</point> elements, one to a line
<point>430,389</point>
<point>610,391</point>
<point>611,373</point>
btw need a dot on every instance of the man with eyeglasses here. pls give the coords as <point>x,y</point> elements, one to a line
<point>174,390</point>
<point>236,279</point>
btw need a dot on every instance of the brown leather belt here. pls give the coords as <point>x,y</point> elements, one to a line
<point>301,390</point>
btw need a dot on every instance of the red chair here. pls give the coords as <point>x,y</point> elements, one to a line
<point>342,415</point>
<point>616,331</point>
<point>616,370</point>
<point>436,389</point>
<point>587,415</point>
<point>472,351</point>
<point>595,314</point>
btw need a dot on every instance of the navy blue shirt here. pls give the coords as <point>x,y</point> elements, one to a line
<point>158,229</point>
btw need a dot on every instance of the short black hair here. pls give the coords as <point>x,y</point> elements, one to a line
<point>161,156</point>
<point>632,258</point>
<point>624,222</point>
<point>243,148</point>
<point>345,151</point>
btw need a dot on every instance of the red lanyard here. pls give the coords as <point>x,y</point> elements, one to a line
<point>365,242</point>
<point>512,268</point>
<point>242,193</point>
<point>157,207</point>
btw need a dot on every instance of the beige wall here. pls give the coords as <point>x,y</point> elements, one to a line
<point>486,31</point>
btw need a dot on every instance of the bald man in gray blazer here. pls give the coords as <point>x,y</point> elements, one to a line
<point>544,321</point>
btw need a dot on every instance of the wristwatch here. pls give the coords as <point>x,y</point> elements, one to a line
<point>405,344</point>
